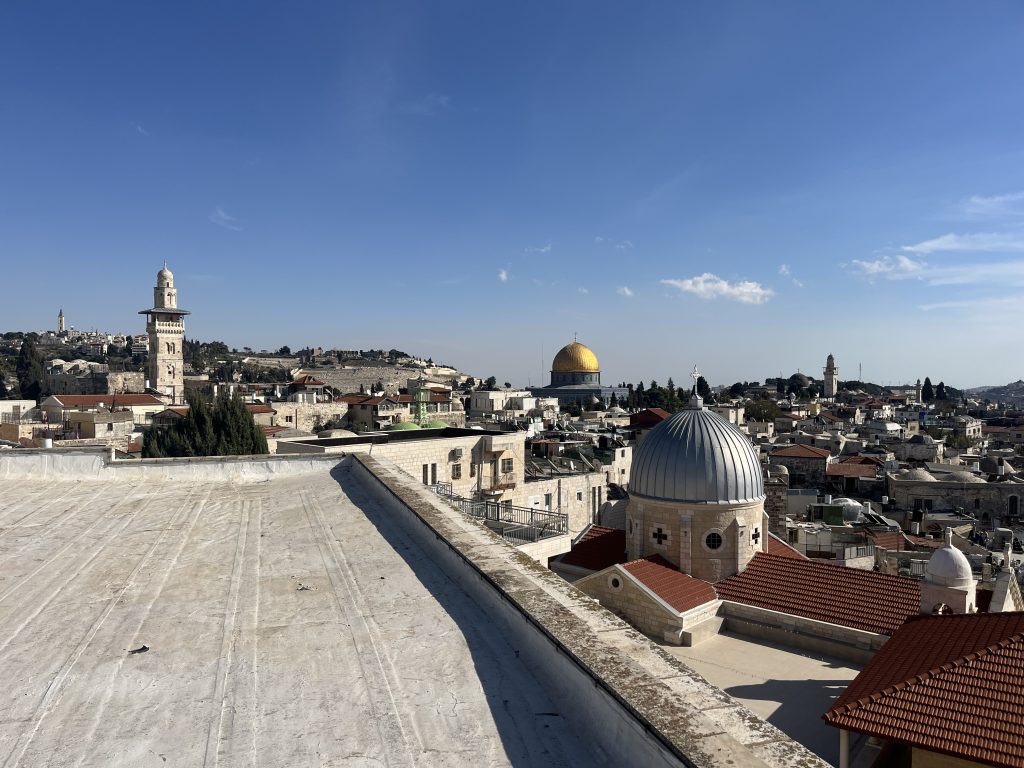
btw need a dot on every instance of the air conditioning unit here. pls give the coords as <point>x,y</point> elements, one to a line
<point>456,453</point>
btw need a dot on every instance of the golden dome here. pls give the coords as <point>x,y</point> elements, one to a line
<point>575,358</point>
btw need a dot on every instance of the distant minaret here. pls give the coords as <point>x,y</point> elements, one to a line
<point>60,322</point>
<point>919,391</point>
<point>166,329</point>
<point>831,378</point>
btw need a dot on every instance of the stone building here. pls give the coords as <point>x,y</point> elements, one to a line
<point>831,375</point>
<point>165,325</point>
<point>697,495</point>
<point>576,378</point>
<point>992,498</point>
<point>807,464</point>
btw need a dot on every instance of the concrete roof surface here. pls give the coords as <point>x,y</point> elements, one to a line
<point>287,623</point>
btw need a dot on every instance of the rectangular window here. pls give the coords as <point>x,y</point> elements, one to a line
<point>456,471</point>
<point>579,495</point>
<point>110,427</point>
<point>472,470</point>
<point>426,476</point>
<point>623,454</point>
<point>433,474</point>
<point>506,466</point>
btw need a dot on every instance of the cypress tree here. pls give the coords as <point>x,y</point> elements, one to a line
<point>927,391</point>
<point>29,371</point>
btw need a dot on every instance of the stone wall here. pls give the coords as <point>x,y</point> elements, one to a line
<point>776,489</point>
<point>798,632</point>
<point>303,416</point>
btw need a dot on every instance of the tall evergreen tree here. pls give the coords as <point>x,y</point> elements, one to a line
<point>224,429</point>
<point>940,391</point>
<point>703,390</point>
<point>927,391</point>
<point>31,381</point>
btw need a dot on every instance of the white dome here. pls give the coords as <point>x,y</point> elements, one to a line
<point>695,456</point>
<point>164,277</point>
<point>949,566</point>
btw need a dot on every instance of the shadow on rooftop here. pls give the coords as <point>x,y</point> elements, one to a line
<point>532,731</point>
<point>801,705</point>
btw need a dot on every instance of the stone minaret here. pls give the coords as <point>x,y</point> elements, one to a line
<point>166,329</point>
<point>918,388</point>
<point>831,378</point>
<point>60,322</point>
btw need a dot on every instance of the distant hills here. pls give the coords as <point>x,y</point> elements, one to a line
<point>1012,391</point>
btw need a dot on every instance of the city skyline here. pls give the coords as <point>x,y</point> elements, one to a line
<point>748,189</point>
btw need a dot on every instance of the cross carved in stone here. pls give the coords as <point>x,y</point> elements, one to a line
<point>756,535</point>
<point>659,536</point>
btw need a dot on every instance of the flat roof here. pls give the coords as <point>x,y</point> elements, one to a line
<point>789,689</point>
<point>401,435</point>
<point>178,621</point>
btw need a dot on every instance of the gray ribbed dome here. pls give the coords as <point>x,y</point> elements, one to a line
<point>697,457</point>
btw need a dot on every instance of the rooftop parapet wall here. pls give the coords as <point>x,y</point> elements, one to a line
<point>96,462</point>
<point>631,699</point>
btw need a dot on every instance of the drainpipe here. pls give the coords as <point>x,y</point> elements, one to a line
<point>844,748</point>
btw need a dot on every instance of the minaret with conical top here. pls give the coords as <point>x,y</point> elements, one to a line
<point>831,378</point>
<point>60,322</point>
<point>166,329</point>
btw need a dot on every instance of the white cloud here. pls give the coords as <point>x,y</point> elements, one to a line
<point>583,290</point>
<point>709,286</point>
<point>894,268</point>
<point>139,129</point>
<point>990,242</point>
<point>221,218</point>
<point>994,206</point>
<point>785,271</point>
<point>503,275</point>
<point>598,240</point>
<point>546,248</point>
<point>625,290</point>
<point>625,245</point>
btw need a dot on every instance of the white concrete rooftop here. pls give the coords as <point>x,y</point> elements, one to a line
<point>287,623</point>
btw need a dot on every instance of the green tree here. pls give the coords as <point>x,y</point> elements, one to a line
<point>762,410</point>
<point>225,428</point>
<point>704,391</point>
<point>737,389</point>
<point>29,370</point>
<point>285,351</point>
<point>927,391</point>
<point>940,392</point>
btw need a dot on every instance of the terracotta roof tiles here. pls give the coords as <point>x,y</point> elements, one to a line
<point>94,401</point>
<point>851,470</point>
<point>777,546</point>
<point>682,591</point>
<point>597,549</point>
<point>866,600</point>
<point>946,684</point>
<point>802,452</point>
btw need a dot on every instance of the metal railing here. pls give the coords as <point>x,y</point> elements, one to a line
<point>517,525</point>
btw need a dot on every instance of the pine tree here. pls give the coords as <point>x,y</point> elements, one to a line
<point>927,392</point>
<point>224,429</point>
<point>703,390</point>
<point>940,391</point>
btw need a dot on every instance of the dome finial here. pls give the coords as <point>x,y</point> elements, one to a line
<point>696,401</point>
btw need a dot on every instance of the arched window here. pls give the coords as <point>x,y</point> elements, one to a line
<point>1013,506</point>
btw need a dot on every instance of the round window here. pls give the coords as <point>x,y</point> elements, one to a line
<point>713,540</point>
<point>615,583</point>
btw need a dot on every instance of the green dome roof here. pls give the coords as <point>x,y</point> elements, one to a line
<point>401,425</point>
<point>435,424</point>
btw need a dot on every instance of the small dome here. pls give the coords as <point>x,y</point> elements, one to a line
<point>917,474</point>
<point>962,477</point>
<point>164,277</point>
<point>401,426</point>
<point>575,358</point>
<point>435,424</point>
<point>949,566</point>
<point>695,456</point>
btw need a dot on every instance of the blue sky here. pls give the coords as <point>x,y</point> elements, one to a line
<point>744,186</point>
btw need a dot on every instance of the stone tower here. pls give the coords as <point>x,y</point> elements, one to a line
<point>917,389</point>
<point>831,378</point>
<point>166,328</point>
<point>60,322</point>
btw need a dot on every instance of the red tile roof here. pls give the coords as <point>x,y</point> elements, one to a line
<point>891,540</point>
<point>874,460</point>
<point>947,684</point>
<point>777,546</point>
<point>867,600</point>
<point>93,401</point>
<point>648,417</point>
<point>802,452</point>
<point>851,470</point>
<point>307,381</point>
<point>259,408</point>
<point>597,549</point>
<point>678,589</point>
